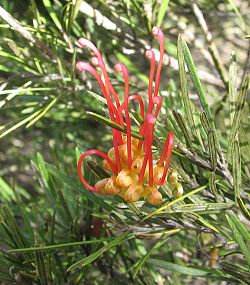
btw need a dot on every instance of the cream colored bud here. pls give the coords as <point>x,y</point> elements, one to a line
<point>173,177</point>
<point>178,190</point>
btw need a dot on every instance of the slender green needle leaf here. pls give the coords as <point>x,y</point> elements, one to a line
<point>6,193</point>
<point>238,112</point>
<point>183,269</point>
<point>162,11</point>
<point>237,12</point>
<point>232,86</point>
<point>147,255</point>
<point>168,204</point>
<point>16,126</point>
<point>212,145</point>
<point>184,87</point>
<point>87,260</point>
<point>42,113</point>
<point>112,124</point>
<point>241,234</point>
<point>195,79</point>
<point>236,165</point>
<point>54,246</point>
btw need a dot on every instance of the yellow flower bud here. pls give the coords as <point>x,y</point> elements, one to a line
<point>173,177</point>
<point>178,190</point>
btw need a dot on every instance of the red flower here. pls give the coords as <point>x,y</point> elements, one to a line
<point>134,171</point>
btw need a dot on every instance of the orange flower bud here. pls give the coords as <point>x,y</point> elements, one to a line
<point>111,153</point>
<point>134,141</point>
<point>137,164</point>
<point>134,193</point>
<point>154,197</point>
<point>100,185</point>
<point>106,166</point>
<point>111,187</point>
<point>158,173</point>
<point>125,178</point>
<point>124,152</point>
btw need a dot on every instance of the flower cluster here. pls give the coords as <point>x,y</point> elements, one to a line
<point>135,173</point>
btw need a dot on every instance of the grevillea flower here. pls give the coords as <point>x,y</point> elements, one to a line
<point>135,172</point>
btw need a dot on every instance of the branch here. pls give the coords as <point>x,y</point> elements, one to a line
<point>221,169</point>
<point>211,45</point>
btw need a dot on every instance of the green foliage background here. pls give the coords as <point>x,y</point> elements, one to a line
<point>47,120</point>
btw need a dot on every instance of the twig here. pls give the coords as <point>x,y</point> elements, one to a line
<point>221,169</point>
<point>211,45</point>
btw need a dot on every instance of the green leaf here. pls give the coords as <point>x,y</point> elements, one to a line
<point>89,259</point>
<point>6,193</point>
<point>42,112</point>
<point>54,246</point>
<point>19,124</point>
<point>74,186</point>
<point>168,204</point>
<point>232,86</point>
<point>110,123</point>
<point>162,11</point>
<point>186,270</point>
<point>237,12</point>
<point>181,123</point>
<point>195,79</point>
<point>156,246</point>
<point>10,225</point>
<point>52,14</point>
<point>212,145</point>
<point>243,275</point>
<point>238,112</point>
<point>184,87</point>
<point>236,167</point>
<point>241,234</point>
<point>41,268</point>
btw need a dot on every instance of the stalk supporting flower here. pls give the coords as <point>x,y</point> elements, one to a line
<point>134,171</point>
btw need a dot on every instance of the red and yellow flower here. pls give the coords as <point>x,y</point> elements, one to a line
<point>135,173</point>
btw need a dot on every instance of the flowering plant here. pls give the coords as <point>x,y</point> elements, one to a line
<point>135,173</point>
